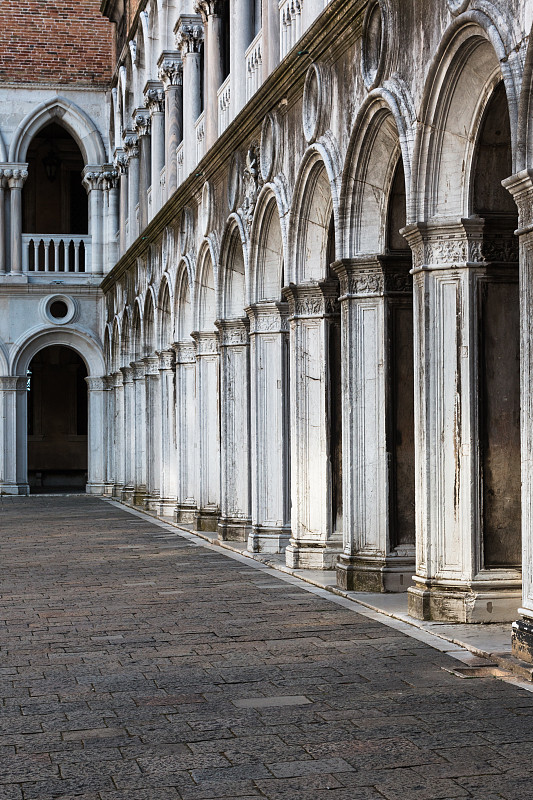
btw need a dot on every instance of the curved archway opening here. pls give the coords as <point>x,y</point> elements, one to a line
<point>57,421</point>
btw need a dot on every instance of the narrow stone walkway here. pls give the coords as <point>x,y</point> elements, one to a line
<point>137,665</point>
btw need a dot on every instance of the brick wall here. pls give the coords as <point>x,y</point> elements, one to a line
<point>64,41</point>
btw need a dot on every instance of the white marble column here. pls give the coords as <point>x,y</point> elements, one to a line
<point>167,377</point>
<point>121,167</point>
<point>92,181</point>
<point>155,102</point>
<point>376,307</point>
<point>3,187</point>
<point>189,41</point>
<point>521,187</point>
<point>129,435</point>
<point>109,435</point>
<point>153,432</point>
<point>143,130</point>
<point>16,175</point>
<point>131,149</point>
<point>270,430</point>
<point>118,440</point>
<point>235,446</point>
<point>186,431</point>
<point>241,36</point>
<point>109,183</point>
<point>211,11</point>
<point>13,435</point>
<point>271,39</point>
<point>207,431</point>
<point>139,423</point>
<point>452,313</point>
<point>96,434</point>
<point>171,75</point>
<point>314,543</point>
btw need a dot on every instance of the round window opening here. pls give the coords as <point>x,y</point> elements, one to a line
<point>58,309</point>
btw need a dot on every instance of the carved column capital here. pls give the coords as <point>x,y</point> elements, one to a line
<point>96,384</point>
<point>268,317</point>
<point>185,352</point>
<point>167,360</point>
<point>108,178</point>
<point>16,175</point>
<point>189,34</point>
<point>374,275</point>
<point>206,342</point>
<point>138,370</point>
<point>312,299</point>
<point>91,179</point>
<point>127,373</point>
<point>210,8</point>
<point>151,366</point>
<point>120,161</point>
<point>131,145</point>
<point>233,331</point>
<point>118,380</point>
<point>13,383</point>
<point>521,188</point>
<point>170,69</point>
<point>154,97</point>
<point>141,117</point>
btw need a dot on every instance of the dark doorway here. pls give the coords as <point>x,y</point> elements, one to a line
<point>57,421</point>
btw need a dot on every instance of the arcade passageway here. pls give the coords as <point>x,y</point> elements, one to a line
<point>138,664</point>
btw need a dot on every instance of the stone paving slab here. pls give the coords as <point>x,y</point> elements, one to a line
<point>138,663</point>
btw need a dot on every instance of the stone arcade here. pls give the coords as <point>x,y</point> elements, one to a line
<point>299,288</point>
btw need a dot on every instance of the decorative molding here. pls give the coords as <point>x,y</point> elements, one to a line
<point>151,366</point>
<point>206,343</point>
<point>167,360</point>
<point>375,43</point>
<point>233,332</point>
<point>374,275</point>
<point>268,318</point>
<point>185,352</point>
<point>13,383</point>
<point>138,370</point>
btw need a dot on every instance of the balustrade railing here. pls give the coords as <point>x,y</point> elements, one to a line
<point>254,66</point>
<point>53,252</point>
<point>224,105</point>
<point>290,22</point>
<point>200,137</point>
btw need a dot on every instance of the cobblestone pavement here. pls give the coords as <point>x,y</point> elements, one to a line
<point>137,665</point>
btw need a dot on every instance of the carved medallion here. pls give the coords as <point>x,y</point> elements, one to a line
<point>374,49</point>
<point>206,208</point>
<point>315,101</point>
<point>235,181</point>
<point>269,146</point>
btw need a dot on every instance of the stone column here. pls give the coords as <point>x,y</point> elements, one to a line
<point>171,75</point>
<point>271,43</point>
<point>131,148</point>
<point>3,186</point>
<point>270,432</point>
<point>211,11</point>
<point>207,431</point>
<point>186,431</point>
<point>155,101</point>
<point>153,433</point>
<point>241,36</point>
<point>139,422</point>
<point>16,175</point>
<point>189,41</point>
<point>13,435</point>
<point>109,435</point>
<point>456,291</point>
<point>121,167</point>
<point>129,435</point>
<point>314,544</point>
<point>143,131</point>
<point>92,180</point>
<point>378,501</point>
<point>118,440</point>
<point>521,187</point>
<point>235,488</point>
<point>168,485</point>
<point>96,435</point>
<point>109,183</point>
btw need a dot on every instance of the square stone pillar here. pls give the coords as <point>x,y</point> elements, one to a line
<point>270,430</point>
<point>97,391</point>
<point>207,431</point>
<point>521,187</point>
<point>462,276</point>
<point>153,433</point>
<point>129,434</point>
<point>168,478</point>
<point>109,435</point>
<point>118,440</point>
<point>235,501</point>
<point>139,427</point>
<point>13,435</point>
<point>376,302</point>
<point>186,436</point>
<point>314,544</point>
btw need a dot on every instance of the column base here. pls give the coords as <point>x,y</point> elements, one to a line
<point>166,507</point>
<point>522,639</point>
<point>139,494</point>
<point>117,491</point>
<point>151,503</point>
<point>15,488</point>
<point>185,513</point>
<point>231,529</point>
<point>300,555</point>
<point>359,574</point>
<point>95,488</point>
<point>268,540</point>
<point>126,494</point>
<point>206,520</point>
<point>452,604</point>
<point>108,489</point>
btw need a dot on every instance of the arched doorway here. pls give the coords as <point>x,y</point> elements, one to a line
<point>57,421</point>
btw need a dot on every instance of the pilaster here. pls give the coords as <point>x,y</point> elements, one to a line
<point>153,432</point>
<point>270,429</point>
<point>208,430</point>
<point>118,434</point>
<point>168,479</point>
<point>97,388</point>
<point>13,436</point>
<point>235,488</point>
<point>139,421</point>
